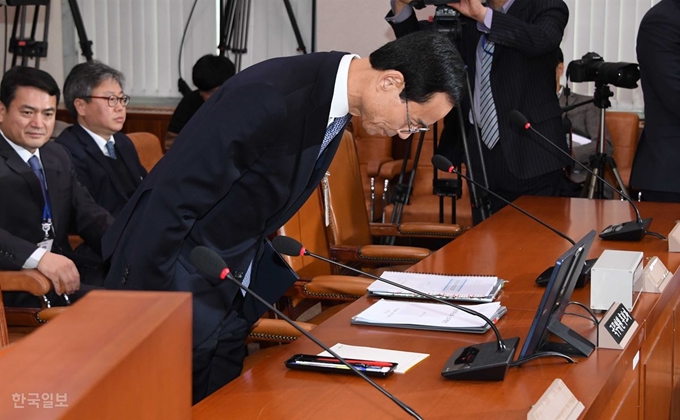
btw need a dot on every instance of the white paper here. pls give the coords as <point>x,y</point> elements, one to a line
<point>436,284</point>
<point>405,360</point>
<point>426,314</point>
<point>580,140</point>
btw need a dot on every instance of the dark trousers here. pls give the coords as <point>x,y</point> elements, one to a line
<point>502,182</point>
<point>219,359</point>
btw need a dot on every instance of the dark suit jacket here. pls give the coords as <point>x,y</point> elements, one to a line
<point>241,167</point>
<point>522,78</point>
<point>656,164</point>
<point>21,209</point>
<point>95,173</point>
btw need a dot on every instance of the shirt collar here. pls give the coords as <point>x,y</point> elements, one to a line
<point>340,101</point>
<point>24,154</point>
<point>99,140</point>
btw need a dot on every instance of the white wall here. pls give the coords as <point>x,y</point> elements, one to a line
<point>608,27</point>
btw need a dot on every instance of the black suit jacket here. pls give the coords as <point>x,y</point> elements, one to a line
<point>522,78</point>
<point>21,209</point>
<point>656,165</point>
<point>95,173</point>
<point>241,167</point>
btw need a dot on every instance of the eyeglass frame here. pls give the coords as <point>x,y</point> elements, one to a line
<point>113,99</point>
<point>411,129</point>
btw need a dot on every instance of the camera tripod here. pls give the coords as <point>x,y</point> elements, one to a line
<point>28,47</point>
<point>600,160</point>
<point>447,21</point>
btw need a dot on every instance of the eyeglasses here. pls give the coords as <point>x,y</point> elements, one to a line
<point>411,128</point>
<point>113,99</point>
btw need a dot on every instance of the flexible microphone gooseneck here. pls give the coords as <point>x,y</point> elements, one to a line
<point>212,265</point>
<point>627,231</point>
<point>487,361</point>
<point>445,165</point>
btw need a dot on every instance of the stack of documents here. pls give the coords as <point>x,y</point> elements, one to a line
<point>429,316</point>
<point>468,288</point>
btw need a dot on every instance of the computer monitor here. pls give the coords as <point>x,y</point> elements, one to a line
<point>553,304</point>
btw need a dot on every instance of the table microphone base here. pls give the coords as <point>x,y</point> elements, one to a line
<point>628,231</point>
<point>583,278</point>
<point>481,362</point>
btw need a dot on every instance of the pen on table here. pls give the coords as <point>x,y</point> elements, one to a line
<point>361,362</point>
<point>360,366</point>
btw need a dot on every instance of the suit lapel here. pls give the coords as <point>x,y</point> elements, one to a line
<point>21,168</point>
<point>97,156</point>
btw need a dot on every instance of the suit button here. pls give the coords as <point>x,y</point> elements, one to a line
<point>238,274</point>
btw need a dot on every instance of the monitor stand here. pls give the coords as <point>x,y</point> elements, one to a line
<point>574,343</point>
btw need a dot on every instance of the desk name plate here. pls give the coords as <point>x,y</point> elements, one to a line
<point>616,327</point>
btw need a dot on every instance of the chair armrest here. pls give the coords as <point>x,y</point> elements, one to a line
<point>379,254</point>
<point>373,166</point>
<point>391,169</point>
<point>348,288</point>
<point>416,229</point>
<point>277,330</point>
<point>31,281</point>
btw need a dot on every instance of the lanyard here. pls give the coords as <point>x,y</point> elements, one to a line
<point>47,213</point>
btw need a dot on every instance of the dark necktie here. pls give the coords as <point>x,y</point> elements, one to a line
<point>110,149</point>
<point>35,165</point>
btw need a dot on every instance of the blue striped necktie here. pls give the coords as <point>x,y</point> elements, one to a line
<point>333,129</point>
<point>488,120</point>
<point>110,149</point>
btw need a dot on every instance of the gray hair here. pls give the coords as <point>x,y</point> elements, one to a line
<point>83,78</point>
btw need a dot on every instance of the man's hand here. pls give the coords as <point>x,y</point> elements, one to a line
<point>61,271</point>
<point>399,6</point>
<point>470,8</point>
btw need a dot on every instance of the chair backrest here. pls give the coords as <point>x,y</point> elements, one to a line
<point>307,226</point>
<point>624,130</point>
<point>348,218</point>
<point>148,148</point>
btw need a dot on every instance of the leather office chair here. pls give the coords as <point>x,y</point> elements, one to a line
<point>375,153</point>
<point>423,205</point>
<point>624,131</point>
<point>317,282</point>
<point>17,322</point>
<point>350,235</point>
<point>148,148</point>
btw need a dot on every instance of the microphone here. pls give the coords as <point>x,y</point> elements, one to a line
<point>445,165</point>
<point>212,265</point>
<point>480,362</point>
<point>628,231</point>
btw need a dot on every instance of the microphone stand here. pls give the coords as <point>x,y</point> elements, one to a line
<point>486,361</point>
<point>628,231</point>
<point>211,264</point>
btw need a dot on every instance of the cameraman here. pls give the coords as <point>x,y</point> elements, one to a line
<point>517,39</point>
<point>656,170</point>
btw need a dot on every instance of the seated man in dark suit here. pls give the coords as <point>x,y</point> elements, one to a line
<point>209,72</point>
<point>42,199</point>
<point>105,159</point>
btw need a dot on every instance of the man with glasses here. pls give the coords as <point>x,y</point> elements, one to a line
<point>42,200</point>
<point>247,161</point>
<point>105,159</point>
<point>508,46</point>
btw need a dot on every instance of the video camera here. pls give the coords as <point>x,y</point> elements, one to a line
<point>592,68</point>
<point>419,4</point>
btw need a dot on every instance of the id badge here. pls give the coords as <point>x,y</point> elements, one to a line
<point>46,245</point>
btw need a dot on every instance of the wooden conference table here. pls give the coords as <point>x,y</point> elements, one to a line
<point>638,382</point>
